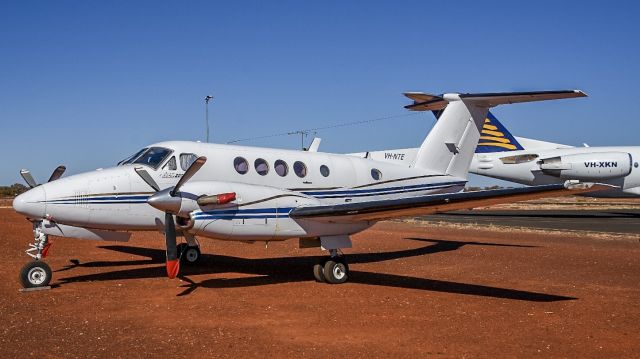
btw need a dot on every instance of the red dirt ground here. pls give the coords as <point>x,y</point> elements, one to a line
<point>414,292</point>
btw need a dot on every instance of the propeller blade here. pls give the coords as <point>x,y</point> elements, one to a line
<point>173,263</point>
<point>195,167</point>
<point>26,175</point>
<point>57,173</point>
<point>147,178</point>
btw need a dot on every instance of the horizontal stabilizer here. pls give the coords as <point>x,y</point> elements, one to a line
<point>420,206</point>
<point>427,102</point>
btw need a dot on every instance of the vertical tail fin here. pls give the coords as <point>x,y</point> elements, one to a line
<point>496,138</point>
<point>451,143</point>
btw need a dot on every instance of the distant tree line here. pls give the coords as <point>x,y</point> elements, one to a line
<point>13,190</point>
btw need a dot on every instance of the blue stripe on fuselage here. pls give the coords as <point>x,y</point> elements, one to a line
<point>98,200</point>
<point>387,193</point>
<point>382,191</point>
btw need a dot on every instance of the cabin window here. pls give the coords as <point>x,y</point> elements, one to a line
<point>281,168</point>
<point>300,169</point>
<point>186,159</point>
<point>170,165</point>
<point>153,157</point>
<point>262,167</point>
<point>324,170</point>
<point>241,165</point>
<point>376,174</point>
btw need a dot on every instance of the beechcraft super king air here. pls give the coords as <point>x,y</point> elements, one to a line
<point>238,193</point>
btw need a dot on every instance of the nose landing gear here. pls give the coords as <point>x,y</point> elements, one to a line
<point>37,273</point>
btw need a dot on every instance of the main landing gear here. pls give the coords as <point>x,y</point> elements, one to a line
<point>37,273</point>
<point>333,270</point>
<point>188,254</point>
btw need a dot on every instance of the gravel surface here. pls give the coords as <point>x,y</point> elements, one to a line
<point>414,292</point>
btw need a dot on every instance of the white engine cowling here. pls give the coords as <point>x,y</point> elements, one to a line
<point>256,213</point>
<point>591,166</point>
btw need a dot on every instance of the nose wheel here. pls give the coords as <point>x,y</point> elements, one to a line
<point>35,274</point>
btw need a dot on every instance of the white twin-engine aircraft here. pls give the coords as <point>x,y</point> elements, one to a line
<point>248,194</point>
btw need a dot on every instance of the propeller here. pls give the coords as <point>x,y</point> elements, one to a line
<point>195,167</point>
<point>57,173</point>
<point>167,201</point>
<point>173,263</point>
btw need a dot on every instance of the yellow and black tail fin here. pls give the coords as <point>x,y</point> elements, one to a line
<point>494,137</point>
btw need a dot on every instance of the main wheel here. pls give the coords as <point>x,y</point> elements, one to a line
<point>190,255</point>
<point>318,273</point>
<point>35,274</point>
<point>336,271</point>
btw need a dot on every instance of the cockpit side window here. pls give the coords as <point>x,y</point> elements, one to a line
<point>131,158</point>
<point>186,159</point>
<point>171,164</point>
<point>153,156</point>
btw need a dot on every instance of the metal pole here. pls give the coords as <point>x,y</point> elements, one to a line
<point>206,111</point>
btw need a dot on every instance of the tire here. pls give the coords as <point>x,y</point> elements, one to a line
<point>35,274</point>
<point>318,273</point>
<point>190,255</point>
<point>336,271</point>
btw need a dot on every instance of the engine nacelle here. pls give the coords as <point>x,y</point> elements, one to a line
<point>250,213</point>
<point>591,166</point>
<point>254,213</point>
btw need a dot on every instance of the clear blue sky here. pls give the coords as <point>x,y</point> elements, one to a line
<point>86,83</point>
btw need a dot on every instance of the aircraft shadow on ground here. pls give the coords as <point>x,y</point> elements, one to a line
<point>267,271</point>
<point>542,214</point>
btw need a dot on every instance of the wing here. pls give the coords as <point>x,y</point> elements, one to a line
<point>418,206</point>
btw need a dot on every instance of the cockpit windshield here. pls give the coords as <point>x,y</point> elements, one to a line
<point>131,158</point>
<point>152,156</point>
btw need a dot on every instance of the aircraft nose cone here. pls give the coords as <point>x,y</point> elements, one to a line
<point>31,204</point>
<point>164,202</point>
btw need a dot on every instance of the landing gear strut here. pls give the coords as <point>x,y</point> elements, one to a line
<point>37,273</point>
<point>333,270</point>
